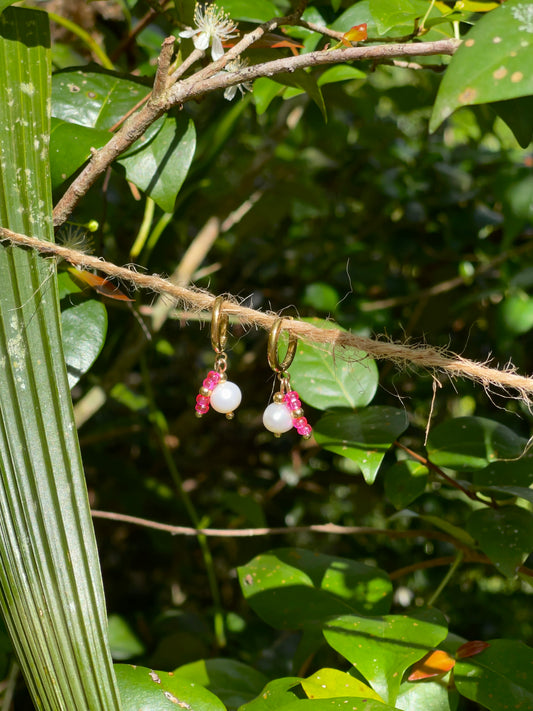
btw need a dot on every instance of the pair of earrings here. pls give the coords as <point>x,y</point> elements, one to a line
<point>284,413</point>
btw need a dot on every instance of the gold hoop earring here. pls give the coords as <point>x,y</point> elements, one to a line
<point>217,391</point>
<point>286,411</point>
<point>272,351</point>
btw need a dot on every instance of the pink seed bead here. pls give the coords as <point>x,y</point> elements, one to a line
<point>300,422</point>
<point>293,403</point>
<point>202,409</point>
<point>211,381</point>
<point>291,395</point>
<point>305,431</point>
<point>202,399</point>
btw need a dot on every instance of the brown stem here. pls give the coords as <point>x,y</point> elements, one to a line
<point>469,557</point>
<point>457,485</point>
<point>329,528</point>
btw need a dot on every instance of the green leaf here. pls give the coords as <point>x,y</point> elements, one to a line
<point>405,481</point>
<point>302,81</point>
<point>517,115</point>
<point>256,11</point>
<point>84,329</point>
<point>246,507</point>
<point>122,640</point>
<point>276,695</point>
<point>340,73</point>
<point>322,297</point>
<point>504,534</point>
<point>336,705</point>
<point>327,377</point>
<point>492,64</point>
<point>356,15</point>
<point>160,167</point>
<point>233,682</point>
<point>467,443</point>
<point>515,314</point>
<point>291,588</point>
<point>498,678</point>
<point>427,695</point>
<point>70,147</point>
<point>5,3</point>
<point>449,528</point>
<point>52,596</point>
<point>143,689</point>
<point>518,472</point>
<point>265,91</point>
<point>96,99</point>
<point>521,492</point>
<point>382,648</point>
<point>389,14</point>
<point>331,683</point>
<point>364,437</point>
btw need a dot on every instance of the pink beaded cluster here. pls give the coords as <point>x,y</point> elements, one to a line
<point>292,401</point>
<point>204,396</point>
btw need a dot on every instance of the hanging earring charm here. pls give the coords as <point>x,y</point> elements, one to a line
<point>217,391</point>
<point>286,411</point>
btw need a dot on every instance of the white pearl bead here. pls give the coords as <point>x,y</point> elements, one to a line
<point>277,418</point>
<point>226,397</point>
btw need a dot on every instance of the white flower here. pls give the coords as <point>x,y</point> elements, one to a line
<point>235,66</point>
<point>213,26</point>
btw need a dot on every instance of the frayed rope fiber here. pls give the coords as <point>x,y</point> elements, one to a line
<point>421,356</point>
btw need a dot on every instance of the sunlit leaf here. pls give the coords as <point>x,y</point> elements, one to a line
<point>70,147</point>
<point>52,596</point>
<point>331,683</point>
<point>276,695</point>
<point>292,588</point>
<point>84,328</point>
<point>327,377</point>
<point>490,63</point>
<point>382,648</point>
<point>160,167</point>
<point>144,689</point>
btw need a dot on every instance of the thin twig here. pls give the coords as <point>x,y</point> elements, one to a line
<point>329,528</point>
<point>456,484</point>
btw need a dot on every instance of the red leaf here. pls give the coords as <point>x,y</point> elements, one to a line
<point>433,664</point>
<point>100,285</point>
<point>470,649</point>
<point>270,40</point>
<point>357,33</point>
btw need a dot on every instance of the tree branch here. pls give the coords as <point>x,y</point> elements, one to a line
<point>329,528</point>
<point>211,78</point>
